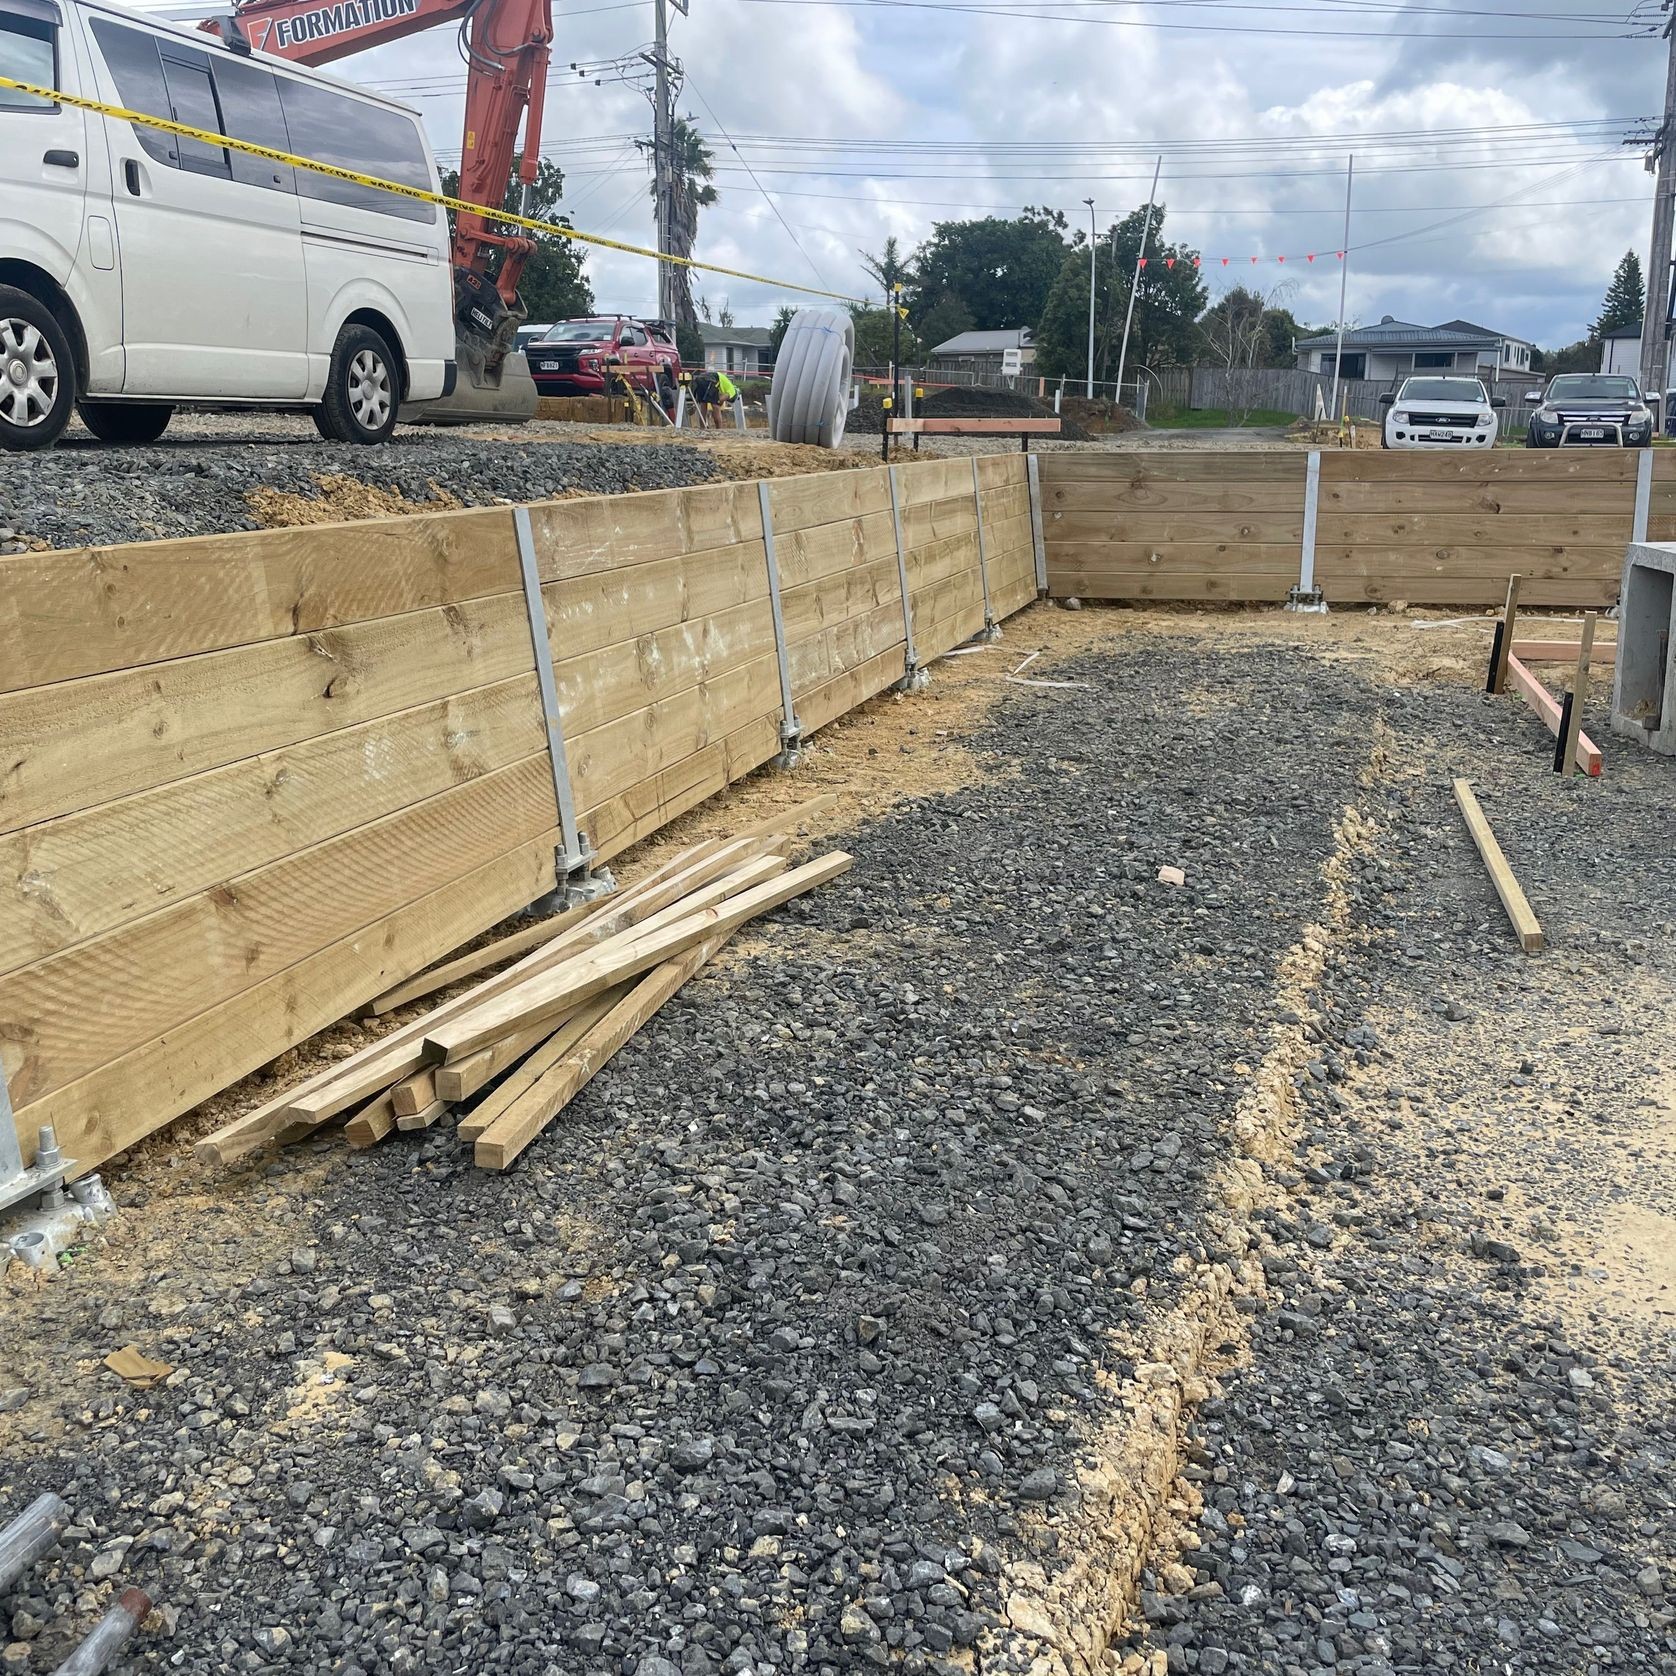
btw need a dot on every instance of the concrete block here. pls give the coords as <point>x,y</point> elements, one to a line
<point>1644,684</point>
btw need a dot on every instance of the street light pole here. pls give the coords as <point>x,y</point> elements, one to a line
<point>1343,283</point>
<point>1135,282</point>
<point>1093,249</point>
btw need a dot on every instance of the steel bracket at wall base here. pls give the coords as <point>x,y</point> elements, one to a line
<point>37,1233</point>
<point>1304,595</point>
<point>576,880</point>
<point>791,729</point>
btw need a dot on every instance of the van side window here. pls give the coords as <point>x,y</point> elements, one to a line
<point>192,101</point>
<point>27,53</point>
<point>250,107</point>
<point>351,134</point>
<point>131,56</point>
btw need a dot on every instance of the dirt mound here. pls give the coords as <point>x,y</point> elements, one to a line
<point>340,499</point>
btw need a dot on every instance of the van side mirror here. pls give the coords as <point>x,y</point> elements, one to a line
<point>1498,401</point>
<point>1531,396</point>
<point>1386,397</point>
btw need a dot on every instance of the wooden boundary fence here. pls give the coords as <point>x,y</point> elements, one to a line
<point>1363,527</point>
<point>247,782</point>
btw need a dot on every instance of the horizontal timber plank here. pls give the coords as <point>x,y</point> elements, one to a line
<point>178,962</point>
<point>836,599</point>
<point>806,556</point>
<point>825,497</point>
<point>845,645</point>
<point>1544,465</point>
<point>69,879</point>
<point>602,532</point>
<point>80,743</point>
<point>1476,592</point>
<point>85,611</point>
<point>1536,532</point>
<point>1165,528</point>
<point>1197,499</point>
<point>1199,558</point>
<point>997,471</point>
<point>1140,466</point>
<point>1483,495</point>
<point>1249,587</point>
<point>1479,563</point>
<point>102,1114</point>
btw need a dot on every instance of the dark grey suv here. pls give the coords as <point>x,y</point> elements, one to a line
<point>1590,409</point>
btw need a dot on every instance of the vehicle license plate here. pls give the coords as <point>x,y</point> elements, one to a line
<point>549,366</point>
<point>1440,436</point>
<point>1591,431</point>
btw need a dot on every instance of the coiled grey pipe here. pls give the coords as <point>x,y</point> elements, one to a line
<point>107,1635</point>
<point>29,1536</point>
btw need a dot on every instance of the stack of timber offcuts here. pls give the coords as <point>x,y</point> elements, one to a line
<point>523,1043</point>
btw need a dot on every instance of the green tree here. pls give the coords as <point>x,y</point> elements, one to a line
<point>1626,298</point>
<point>1582,356</point>
<point>777,332</point>
<point>889,267</point>
<point>874,334</point>
<point>1000,270</point>
<point>690,341</point>
<point>694,170</point>
<point>946,318</point>
<point>1243,328</point>
<point>554,284</point>
<point>1167,306</point>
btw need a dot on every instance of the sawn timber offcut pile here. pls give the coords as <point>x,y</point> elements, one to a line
<point>535,1034</point>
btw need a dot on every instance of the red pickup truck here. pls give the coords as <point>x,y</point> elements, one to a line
<point>571,358</point>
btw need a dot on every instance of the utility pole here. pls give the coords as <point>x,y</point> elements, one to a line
<point>1655,342</point>
<point>1093,250</point>
<point>1135,281</point>
<point>1343,283</point>
<point>663,161</point>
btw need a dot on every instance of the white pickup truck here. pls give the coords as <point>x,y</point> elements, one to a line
<point>1432,412</point>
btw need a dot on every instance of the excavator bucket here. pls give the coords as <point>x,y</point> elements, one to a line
<point>511,401</point>
<point>494,380</point>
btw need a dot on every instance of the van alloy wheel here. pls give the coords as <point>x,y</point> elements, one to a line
<point>369,389</point>
<point>28,374</point>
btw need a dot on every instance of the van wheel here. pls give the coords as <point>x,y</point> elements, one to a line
<point>37,373</point>
<point>126,421</point>
<point>362,389</point>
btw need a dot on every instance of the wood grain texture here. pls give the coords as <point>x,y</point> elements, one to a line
<point>99,1115</point>
<point>605,532</point>
<point>1152,495</point>
<point>80,743</point>
<point>1155,529</point>
<point>1547,708</point>
<point>1447,532</point>
<point>65,880</point>
<point>85,611</point>
<point>1140,466</point>
<point>186,958</point>
<point>1505,465</point>
<point>1508,888</point>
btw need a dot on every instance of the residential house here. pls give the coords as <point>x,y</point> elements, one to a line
<point>746,350</point>
<point>1395,348</point>
<point>1620,350</point>
<point>1012,351</point>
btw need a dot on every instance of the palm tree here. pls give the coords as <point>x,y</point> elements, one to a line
<point>888,267</point>
<point>692,172</point>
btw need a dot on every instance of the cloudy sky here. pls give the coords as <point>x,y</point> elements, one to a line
<point>868,119</point>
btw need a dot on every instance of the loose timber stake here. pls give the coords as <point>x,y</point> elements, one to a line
<point>534,936</point>
<point>491,954</point>
<point>788,820</point>
<point>552,994</point>
<point>1563,651</point>
<point>401,1053</point>
<point>372,1123</point>
<point>1504,642</point>
<point>414,1093</point>
<point>1501,875</point>
<point>1566,752</point>
<point>410,1121</point>
<point>1537,696</point>
<point>551,1092</point>
<point>547,1053</point>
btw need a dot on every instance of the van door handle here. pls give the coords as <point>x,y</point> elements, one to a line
<point>131,176</point>
<point>62,160</point>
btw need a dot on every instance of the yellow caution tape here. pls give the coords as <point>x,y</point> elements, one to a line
<point>422,194</point>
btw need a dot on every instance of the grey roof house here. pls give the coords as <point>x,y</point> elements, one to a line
<point>742,349</point>
<point>1395,348</point>
<point>1007,351</point>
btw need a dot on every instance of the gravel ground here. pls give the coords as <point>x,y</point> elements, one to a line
<point>196,480</point>
<point>867,1310</point>
<point>1451,1445</point>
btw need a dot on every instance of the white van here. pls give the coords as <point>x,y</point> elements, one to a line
<point>139,270</point>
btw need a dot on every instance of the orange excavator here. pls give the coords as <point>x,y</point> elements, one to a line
<point>505,44</point>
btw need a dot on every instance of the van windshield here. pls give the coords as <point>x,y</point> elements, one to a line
<point>1443,390</point>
